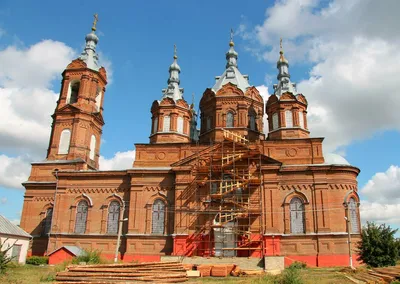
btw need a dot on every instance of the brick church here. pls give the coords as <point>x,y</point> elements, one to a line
<point>223,189</point>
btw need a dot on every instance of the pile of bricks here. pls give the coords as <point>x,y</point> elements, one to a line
<point>154,272</point>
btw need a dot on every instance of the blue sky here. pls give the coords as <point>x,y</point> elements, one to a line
<point>342,64</point>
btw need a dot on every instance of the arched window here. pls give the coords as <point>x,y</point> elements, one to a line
<point>180,124</point>
<point>167,123</point>
<point>353,216</point>
<point>73,91</point>
<point>208,123</point>
<point>301,119</point>
<point>289,118</point>
<point>252,122</point>
<point>65,137</point>
<point>155,125</point>
<point>92,147</point>
<point>81,217</point>
<point>158,217</point>
<point>275,121</point>
<point>47,221</point>
<point>296,216</point>
<point>98,99</point>
<point>229,119</point>
<point>113,217</point>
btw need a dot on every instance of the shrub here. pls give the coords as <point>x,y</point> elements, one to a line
<point>378,247</point>
<point>291,275</point>
<point>37,260</point>
<point>298,265</point>
<point>50,277</point>
<point>90,257</point>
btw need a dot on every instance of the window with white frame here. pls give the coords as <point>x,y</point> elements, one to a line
<point>301,119</point>
<point>81,217</point>
<point>180,124</point>
<point>353,216</point>
<point>289,118</point>
<point>275,121</point>
<point>73,91</point>
<point>98,99</point>
<point>297,216</point>
<point>158,217</point>
<point>167,123</point>
<point>63,146</point>
<point>113,217</point>
<point>92,147</point>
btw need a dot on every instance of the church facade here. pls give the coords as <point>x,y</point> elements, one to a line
<point>226,189</point>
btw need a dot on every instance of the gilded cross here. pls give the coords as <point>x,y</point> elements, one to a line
<point>231,35</point>
<point>280,44</point>
<point>96,18</point>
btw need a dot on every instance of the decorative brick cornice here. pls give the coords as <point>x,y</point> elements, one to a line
<point>343,186</point>
<point>296,187</point>
<point>43,198</point>
<point>96,190</point>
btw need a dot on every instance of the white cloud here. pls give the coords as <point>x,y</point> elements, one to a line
<point>28,101</point>
<point>353,47</point>
<point>13,171</point>
<point>3,200</point>
<point>120,161</point>
<point>15,221</point>
<point>382,193</point>
<point>265,95</point>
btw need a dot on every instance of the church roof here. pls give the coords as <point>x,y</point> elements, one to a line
<point>231,74</point>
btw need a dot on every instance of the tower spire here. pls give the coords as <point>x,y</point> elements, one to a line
<point>89,55</point>
<point>173,91</point>
<point>231,55</point>
<point>284,85</point>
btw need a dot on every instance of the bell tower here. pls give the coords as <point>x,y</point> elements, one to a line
<point>172,117</point>
<point>286,110</point>
<point>78,117</point>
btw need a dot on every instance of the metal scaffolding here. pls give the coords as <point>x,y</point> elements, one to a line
<point>223,201</point>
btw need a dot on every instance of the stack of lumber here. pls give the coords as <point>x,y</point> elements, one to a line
<point>155,272</point>
<point>377,275</point>
<point>221,270</point>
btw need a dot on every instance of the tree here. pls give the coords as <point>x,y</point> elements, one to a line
<point>4,258</point>
<point>378,246</point>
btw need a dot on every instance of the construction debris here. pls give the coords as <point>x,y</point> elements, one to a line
<point>155,272</point>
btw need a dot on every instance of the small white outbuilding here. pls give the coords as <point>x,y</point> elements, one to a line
<point>12,235</point>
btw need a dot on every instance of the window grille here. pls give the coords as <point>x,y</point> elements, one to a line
<point>81,217</point>
<point>301,119</point>
<point>180,125</point>
<point>252,122</point>
<point>167,122</point>
<point>208,123</point>
<point>47,221</point>
<point>155,125</point>
<point>113,217</point>
<point>158,217</point>
<point>275,121</point>
<point>65,137</point>
<point>353,216</point>
<point>297,216</point>
<point>289,118</point>
<point>229,119</point>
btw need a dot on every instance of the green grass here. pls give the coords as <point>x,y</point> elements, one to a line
<point>28,274</point>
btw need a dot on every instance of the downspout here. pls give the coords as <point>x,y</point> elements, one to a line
<point>54,212</point>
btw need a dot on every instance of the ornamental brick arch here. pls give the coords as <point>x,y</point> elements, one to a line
<point>351,203</point>
<point>307,214</point>
<point>150,214</point>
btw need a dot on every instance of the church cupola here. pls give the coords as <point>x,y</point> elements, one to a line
<point>171,116</point>
<point>286,110</point>
<point>78,118</point>
<point>231,103</point>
